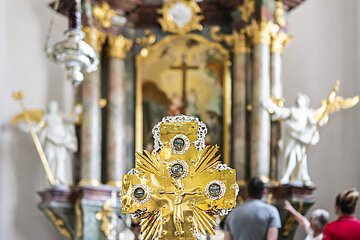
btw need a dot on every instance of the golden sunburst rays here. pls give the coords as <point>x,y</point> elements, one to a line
<point>149,163</point>
<point>207,159</point>
<point>203,222</point>
<point>152,226</point>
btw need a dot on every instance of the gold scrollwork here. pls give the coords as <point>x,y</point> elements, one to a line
<point>279,41</point>
<point>59,223</point>
<point>119,46</point>
<point>104,14</point>
<point>106,216</point>
<point>94,37</point>
<point>148,39</point>
<point>79,223</point>
<point>261,32</point>
<point>171,8</point>
<point>247,9</point>
<point>237,39</point>
<point>219,37</point>
<point>280,13</point>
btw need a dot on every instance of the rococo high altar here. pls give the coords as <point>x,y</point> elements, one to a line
<point>213,67</point>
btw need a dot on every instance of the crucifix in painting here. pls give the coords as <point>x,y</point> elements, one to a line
<point>184,68</point>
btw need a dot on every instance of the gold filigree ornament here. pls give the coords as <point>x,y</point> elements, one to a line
<point>260,32</point>
<point>108,218</point>
<point>280,13</point>
<point>180,16</point>
<point>177,190</point>
<point>247,9</point>
<point>237,40</point>
<point>59,224</point>
<point>104,14</point>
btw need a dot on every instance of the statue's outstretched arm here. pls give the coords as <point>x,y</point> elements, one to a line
<point>277,111</point>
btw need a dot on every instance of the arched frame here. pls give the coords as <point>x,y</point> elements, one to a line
<point>207,86</point>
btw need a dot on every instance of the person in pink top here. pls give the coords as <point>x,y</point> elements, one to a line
<point>347,226</point>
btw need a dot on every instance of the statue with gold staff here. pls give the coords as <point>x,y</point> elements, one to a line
<point>302,130</point>
<point>177,190</point>
<point>55,139</point>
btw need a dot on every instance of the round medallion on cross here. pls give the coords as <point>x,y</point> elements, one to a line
<point>179,144</point>
<point>215,190</point>
<point>140,193</point>
<point>178,169</point>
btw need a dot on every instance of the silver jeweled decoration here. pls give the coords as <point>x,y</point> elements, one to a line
<point>202,131</point>
<point>179,144</point>
<point>215,190</point>
<point>178,169</point>
<point>140,193</point>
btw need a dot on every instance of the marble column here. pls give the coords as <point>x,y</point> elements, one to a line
<point>239,105</point>
<point>116,164</point>
<point>260,33</point>
<point>279,41</point>
<point>91,118</point>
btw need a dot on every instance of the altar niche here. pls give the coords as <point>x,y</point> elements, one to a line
<point>184,74</point>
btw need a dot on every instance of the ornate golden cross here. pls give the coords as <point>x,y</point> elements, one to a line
<point>178,189</point>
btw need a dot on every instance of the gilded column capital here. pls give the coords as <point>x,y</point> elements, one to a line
<point>261,32</point>
<point>246,9</point>
<point>279,41</point>
<point>237,40</point>
<point>280,13</point>
<point>240,42</point>
<point>119,46</point>
<point>94,37</point>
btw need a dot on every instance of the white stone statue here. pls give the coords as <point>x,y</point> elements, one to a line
<point>59,141</point>
<point>301,132</point>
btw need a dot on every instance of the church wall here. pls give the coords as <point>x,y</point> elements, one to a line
<point>325,47</point>
<point>2,77</point>
<point>24,66</point>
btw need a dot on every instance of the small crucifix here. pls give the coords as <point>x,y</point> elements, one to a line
<point>184,68</point>
<point>179,194</point>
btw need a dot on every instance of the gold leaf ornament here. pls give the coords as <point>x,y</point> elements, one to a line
<point>180,16</point>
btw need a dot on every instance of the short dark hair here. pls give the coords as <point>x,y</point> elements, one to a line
<point>255,188</point>
<point>347,201</point>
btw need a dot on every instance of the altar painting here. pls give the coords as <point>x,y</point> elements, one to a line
<point>184,75</point>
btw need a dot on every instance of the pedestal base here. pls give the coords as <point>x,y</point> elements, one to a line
<point>301,197</point>
<point>73,210</point>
